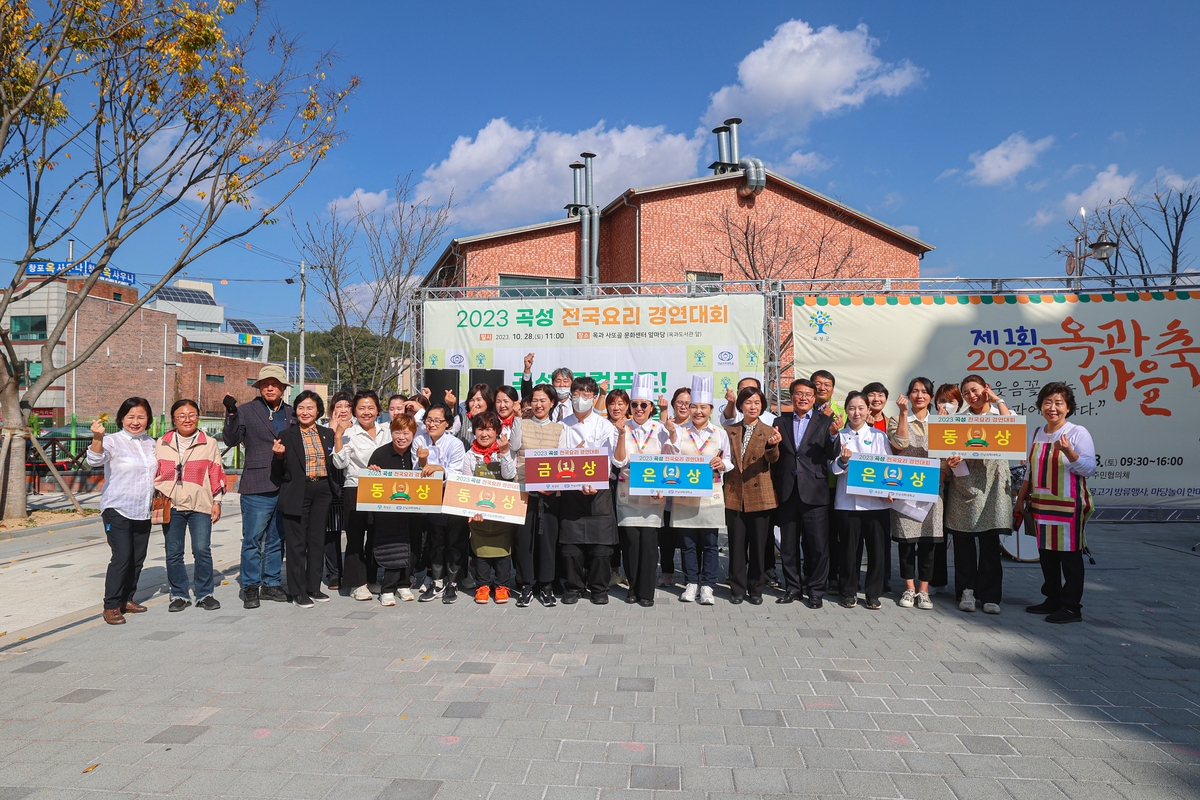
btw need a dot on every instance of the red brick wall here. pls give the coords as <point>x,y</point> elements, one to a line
<point>237,372</point>
<point>108,291</point>
<point>550,253</point>
<point>618,244</point>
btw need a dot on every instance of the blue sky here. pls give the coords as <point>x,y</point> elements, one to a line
<point>980,127</point>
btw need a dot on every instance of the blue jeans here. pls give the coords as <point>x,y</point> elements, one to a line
<point>262,540</point>
<point>200,525</point>
<point>699,546</point>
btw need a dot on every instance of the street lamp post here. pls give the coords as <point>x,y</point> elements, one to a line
<point>287,359</point>
<point>1103,250</point>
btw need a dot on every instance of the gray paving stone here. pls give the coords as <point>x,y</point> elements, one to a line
<point>466,710</point>
<point>608,638</point>
<point>178,734</point>
<point>842,675</point>
<point>648,777</point>
<point>38,667</point>
<point>635,684</point>
<point>306,661</point>
<point>161,636</point>
<point>964,668</point>
<point>475,668</point>
<point>752,716</point>
<point>82,695</point>
<point>408,789</point>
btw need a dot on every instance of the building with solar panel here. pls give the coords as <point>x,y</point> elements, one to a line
<point>201,325</point>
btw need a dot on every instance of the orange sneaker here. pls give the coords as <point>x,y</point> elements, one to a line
<point>481,595</point>
<point>501,594</point>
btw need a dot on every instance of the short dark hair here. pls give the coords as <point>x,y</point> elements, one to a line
<point>509,392</point>
<point>1058,387</point>
<point>852,396</point>
<point>485,419</point>
<point>801,382</point>
<point>585,383</point>
<point>447,414</point>
<point>757,382</point>
<point>973,378</point>
<point>617,394</point>
<point>339,397</point>
<point>420,400</point>
<point>546,389</point>
<point>399,397</point>
<point>178,404</point>
<point>925,382</point>
<point>681,390</point>
<point>823,373</point>
<point>365,394</point>
<point>129,405</point>
<point>309,394</point>
<point>489,396</point>
<point>747,393</point>
<point>875,386</point>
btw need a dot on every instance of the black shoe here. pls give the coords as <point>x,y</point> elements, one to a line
<point>179,604</point>
<point>789,597</point>
<point>1047,606</point>
<point>449,594</point>
<point>432,592</point>
<point>630,598</point>
<point>873,603</point>
<point>303,601</point>
<point>570,598</point>
<point>524,596</point>
<point>275,593</point>
<point>755,599</point>
<point>849,602</point>
<point>737,599</point>
<point>599,598</point>
<point>646,603</point>
<point>208,604</point>
<point>251,600</point>
<point>546,597</point>
<point>319,596</point>
<point>815,602</point>
<point>1064,615</point>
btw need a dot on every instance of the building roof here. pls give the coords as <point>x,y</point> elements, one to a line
<point>174,294</point>
<point>238,325</point>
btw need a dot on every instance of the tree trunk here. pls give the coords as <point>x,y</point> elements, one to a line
<point>14,470</point>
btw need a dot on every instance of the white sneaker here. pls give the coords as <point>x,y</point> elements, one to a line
<point>908,599</point>
<point>968,600</point>
<point>706,596</point>
<point>991,608</point>
<point>406,594</point>
<point>387,599</point>
<point>689,593</point>
<point>361,593</point>
<point>923,601</point>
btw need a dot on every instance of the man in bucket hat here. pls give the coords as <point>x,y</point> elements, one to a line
<point>257,425</point>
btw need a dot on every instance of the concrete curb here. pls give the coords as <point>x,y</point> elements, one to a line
<point>19,532</point>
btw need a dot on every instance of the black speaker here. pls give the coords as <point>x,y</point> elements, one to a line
<point>438,381</point>
<point>492,377</point>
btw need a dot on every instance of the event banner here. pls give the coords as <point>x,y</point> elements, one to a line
<point>398,490</point>
<point>670,476</point>
<point>1132,359</point>
<point>901,477</point>
<point>609,338</point>
<point>566,470</point>
<point>977,437</point>
<point>497,501</point>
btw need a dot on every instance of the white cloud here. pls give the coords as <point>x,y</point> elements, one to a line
<point>800,74</point>
<point>1042,218</point>
<point>1173,180</point>
<point>1006,160</point>
<point>801,163</point>
<point>507,176</point>
<point>370,202</point>
<point>911,230</point>
<point>1108,185</point>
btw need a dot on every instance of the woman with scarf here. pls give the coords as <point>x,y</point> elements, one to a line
<point>481,398</point>
<point>353,445</point>
<point>491,542</point>
<point>535,544</point>
<point>508,409</point>
<point>394,533</point>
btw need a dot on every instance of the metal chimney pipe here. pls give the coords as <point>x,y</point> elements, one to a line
<point>585,244</point>
<point>587,177</point>
<point>734,150</point>
<point>723,144</point>
<point>595,259</point>
<point>577,176</point>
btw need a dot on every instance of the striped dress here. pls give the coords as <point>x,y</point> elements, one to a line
<point>1060,502</point>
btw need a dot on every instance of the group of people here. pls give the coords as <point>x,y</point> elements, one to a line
<point>779,487</point>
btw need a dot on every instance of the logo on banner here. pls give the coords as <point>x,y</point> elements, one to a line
<point>751,357</point>
<point>700,358</point>
<point>820,322</point>
<point>457,359</point>
<point>726,359</point>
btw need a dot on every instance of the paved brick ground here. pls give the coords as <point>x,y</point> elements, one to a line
<point>351,700</point>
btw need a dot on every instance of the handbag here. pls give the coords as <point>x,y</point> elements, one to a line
<point>160,509</point>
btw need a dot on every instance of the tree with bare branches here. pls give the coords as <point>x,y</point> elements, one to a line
<point>114,113</point>
<point>366,265</point>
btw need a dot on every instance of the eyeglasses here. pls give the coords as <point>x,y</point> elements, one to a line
<point>804,396</point>
<point>185,417</point>
<point>433,421</point>
<point>641,404</point>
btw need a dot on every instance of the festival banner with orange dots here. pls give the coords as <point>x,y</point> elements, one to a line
<point>397,490</point>
<point>977,437</point>
<point>1131,358</point>
<point>496,501</point>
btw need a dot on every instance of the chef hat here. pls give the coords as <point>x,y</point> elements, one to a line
<point>702,389</point>
<point>643,387</point>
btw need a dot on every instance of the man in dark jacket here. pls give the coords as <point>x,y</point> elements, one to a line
<point>257,425</point>
<point>801,483</point>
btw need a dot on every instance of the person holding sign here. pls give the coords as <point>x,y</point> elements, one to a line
<point>305,494</point>
<point>491,542</point>
<point>908,434</point>
<point>353,445</point>
<point>750,495</point>
<point>1056,501</point>
<point>866,517</point>
<point>979,510</point>
<point>639,518</point>
<point>587,526</point>
<point>439,452</point>
<point>699,519</point>
<point>678,413</point>
<point>535,544</point>
<point>395,533</point>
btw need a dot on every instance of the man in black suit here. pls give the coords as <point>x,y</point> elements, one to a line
<point>801,482</point>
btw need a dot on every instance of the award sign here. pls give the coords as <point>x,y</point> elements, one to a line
<point>404,491</point>
<point>902,477</point>
<point>990,436</point>
<point>566,470</point>
<point>670,476</point>
<point>497,501</point>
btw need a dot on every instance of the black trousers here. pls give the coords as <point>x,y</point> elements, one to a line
<point>587,566</point>
<point>941,569</point>
<point>305,537</point>
<point>493,571</point>
<point>535,543</point>
<point>447,543</point>
<point>333,543</point>
<point>916,559</point>
<point>393,579</point>
<point>1062,577</point>
<point>749,534</point>
<point>128,540</point>
<point>837,525</point>
<point>360,567</point>
<point>640,546</point>
<point>808,524</point>
<point>869,527</point>
<point>668,543</point>
<point>977,565</point>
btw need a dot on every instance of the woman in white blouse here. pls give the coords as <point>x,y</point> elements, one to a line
<point>1056,502</point>
<point>129,468</point>
<point>352,448</point>
<point>865,518</point>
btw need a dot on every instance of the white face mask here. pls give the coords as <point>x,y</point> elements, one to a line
<point>563,392</point>
<point>581,404</point>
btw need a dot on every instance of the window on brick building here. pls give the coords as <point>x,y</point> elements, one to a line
<point>711,280</point>
<point>117,296</point>
<point>532,286</point>
<point>28,329</point>
<point>29,371</point>
<point>214,378</point>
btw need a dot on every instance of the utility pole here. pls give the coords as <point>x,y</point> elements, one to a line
<point>300,369</point>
